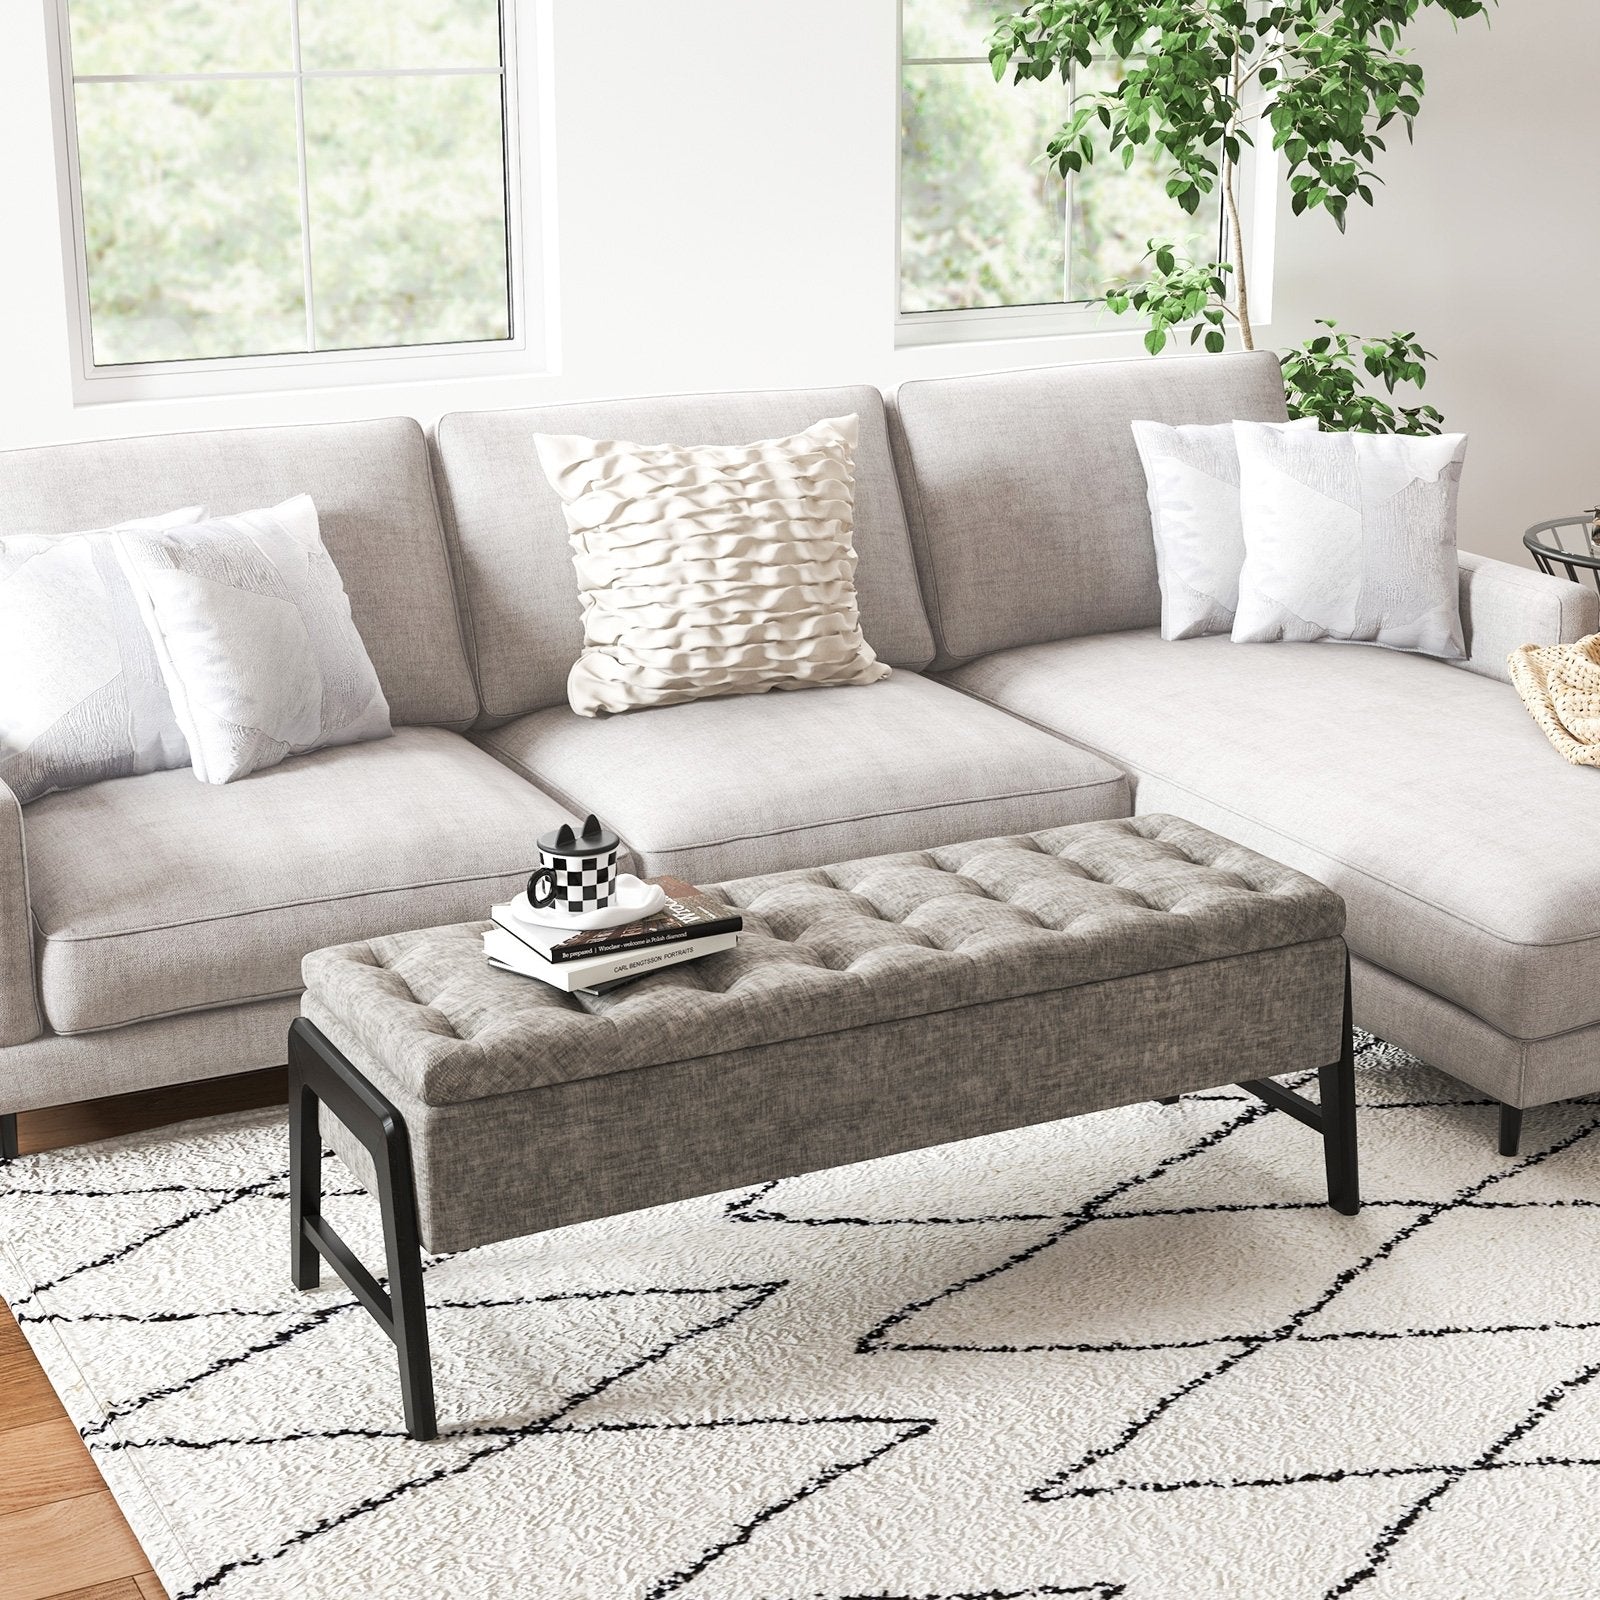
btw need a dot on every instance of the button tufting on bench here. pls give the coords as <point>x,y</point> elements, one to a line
<point>831,948</point>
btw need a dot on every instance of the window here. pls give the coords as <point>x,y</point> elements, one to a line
<point>986,225</point>
<point>287,178</point>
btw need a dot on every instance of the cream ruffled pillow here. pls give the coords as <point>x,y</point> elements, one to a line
<point>711,569</point>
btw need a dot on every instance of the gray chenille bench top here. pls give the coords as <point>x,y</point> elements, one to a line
<point>827,949</point>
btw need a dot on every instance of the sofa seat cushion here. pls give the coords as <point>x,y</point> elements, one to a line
<point>1423,794</point>
<point>757,783</point>
<point>158,894</point>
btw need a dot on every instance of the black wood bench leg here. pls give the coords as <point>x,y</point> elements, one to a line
<point>1337,1083</point>
<point>1334,1118</point>
<point>305,1180</point>
<point>8,1136</point>
<point>1510,1130</point>
<point>320,1076</point>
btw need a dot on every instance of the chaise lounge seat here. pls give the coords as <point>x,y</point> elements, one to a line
<point>1424,794</point>
<point>1420,790</point>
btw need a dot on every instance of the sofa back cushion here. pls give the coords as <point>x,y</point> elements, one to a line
<point>375,507</point>
<point>1026,497</point>
<point>521,594</point>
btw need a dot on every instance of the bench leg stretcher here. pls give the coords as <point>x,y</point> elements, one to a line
<point>320,1075</point>
<point>1334,1118</point>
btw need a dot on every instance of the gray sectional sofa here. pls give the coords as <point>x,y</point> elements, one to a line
<point>152,928</point>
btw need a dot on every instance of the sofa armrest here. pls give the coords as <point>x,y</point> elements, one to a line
<point>19,1001</point>
<point>1503,606</point>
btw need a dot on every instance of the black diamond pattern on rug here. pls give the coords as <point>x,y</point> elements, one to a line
<point>1130,1355</point>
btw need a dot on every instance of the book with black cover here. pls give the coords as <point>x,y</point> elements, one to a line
<point>505,950</point>
<point>689,913</point>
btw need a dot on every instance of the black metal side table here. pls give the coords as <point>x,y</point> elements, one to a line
<point>1547,543</point>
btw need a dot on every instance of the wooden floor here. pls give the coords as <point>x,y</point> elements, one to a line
<point>61,1534</point>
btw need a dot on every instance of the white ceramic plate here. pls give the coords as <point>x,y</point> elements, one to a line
<point>635,900</point>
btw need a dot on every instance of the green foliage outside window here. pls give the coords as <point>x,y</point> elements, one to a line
<point>195,241</point>
<point>984,221</point>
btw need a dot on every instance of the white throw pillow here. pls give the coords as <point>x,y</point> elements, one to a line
<point>252,628</point>
<point>1191,476</point>
<point>81,694</point>
<point>711,569</point>
<point>1350,536</point>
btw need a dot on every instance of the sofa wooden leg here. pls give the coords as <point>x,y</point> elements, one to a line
<point>1510,1129</point>
<point>8,1135</point>
<point>1168,1099</point>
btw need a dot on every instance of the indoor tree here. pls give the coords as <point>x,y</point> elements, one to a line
<point>1327,77</point>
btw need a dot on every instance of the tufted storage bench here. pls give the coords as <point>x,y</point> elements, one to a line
<point>876,1006</point>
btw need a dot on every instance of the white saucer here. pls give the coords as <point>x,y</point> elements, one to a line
<point>634,901</point>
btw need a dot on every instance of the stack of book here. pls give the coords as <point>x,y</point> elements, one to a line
<point>689,926</point>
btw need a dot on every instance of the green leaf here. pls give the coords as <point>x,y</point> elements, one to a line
<point>1215,342</point>
<point>1335,74</point>
<point>1155,341</point>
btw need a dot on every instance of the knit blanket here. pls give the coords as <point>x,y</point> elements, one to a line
<point>1560,685</point>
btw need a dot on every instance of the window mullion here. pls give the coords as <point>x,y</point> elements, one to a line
<point>1069,199</point>
<point>300,161</point>
<point>266,75</point>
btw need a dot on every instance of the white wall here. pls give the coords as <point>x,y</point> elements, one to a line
<point>724,216</point>
<point>1486,240</point>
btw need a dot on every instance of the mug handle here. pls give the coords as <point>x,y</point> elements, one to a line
<point>536,897</point>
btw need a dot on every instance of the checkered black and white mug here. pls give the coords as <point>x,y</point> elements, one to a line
<point>577,872</point>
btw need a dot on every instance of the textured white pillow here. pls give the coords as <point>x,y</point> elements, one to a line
<point>1350,536</point>
<point>711,569</point>
<point>252,628</point>
<point>81,696</point>
<point>1191,476</point>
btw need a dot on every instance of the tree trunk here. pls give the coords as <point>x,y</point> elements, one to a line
<point>1236,253</point>
<point>1241,298</point>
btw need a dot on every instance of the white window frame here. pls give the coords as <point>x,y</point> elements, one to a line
<point>529,245</point>
<point>1258,189</point>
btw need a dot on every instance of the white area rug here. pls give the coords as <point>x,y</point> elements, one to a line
<point>1129,1355</point>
